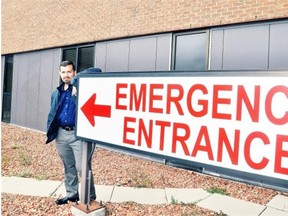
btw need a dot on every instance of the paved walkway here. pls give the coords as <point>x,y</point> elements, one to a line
<point>278,206</point>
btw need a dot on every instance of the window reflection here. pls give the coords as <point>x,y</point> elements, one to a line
<point>190,52</point>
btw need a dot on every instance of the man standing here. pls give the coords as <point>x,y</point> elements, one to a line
<point>60,126</point>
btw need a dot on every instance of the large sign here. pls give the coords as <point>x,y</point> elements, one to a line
<point>234,121</point>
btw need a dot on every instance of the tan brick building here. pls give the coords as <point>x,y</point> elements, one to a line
<point>33,25</point>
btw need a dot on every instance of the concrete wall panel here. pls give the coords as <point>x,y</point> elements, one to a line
<point>35,76</point>
<point>278,58</point>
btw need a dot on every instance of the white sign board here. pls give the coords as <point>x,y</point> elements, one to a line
<point>233,122</point>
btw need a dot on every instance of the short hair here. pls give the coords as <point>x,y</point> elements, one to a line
<point>66,63</point>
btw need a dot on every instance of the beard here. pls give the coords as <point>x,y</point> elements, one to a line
<point>66,80</point>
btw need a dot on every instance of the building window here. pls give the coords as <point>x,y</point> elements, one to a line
<point>7,89</point>
<point>83,57</point>
<point>190,51</point>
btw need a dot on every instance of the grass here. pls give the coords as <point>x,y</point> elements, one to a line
<point>174,201</point>
<point>221,213</point>
<point>25,160</point>
<point>24,174</point>
<point>217,190</point>
<point>5,159</point>
<point>29,174</point>
<point>41,177</point>
<point>141,181</point>
<point>16,146</point>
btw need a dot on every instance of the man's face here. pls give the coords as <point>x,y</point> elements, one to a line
<point>67,73</point>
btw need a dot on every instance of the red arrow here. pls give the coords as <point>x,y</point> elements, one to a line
<point>90,109</point>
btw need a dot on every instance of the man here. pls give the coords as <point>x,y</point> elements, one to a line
<point>61,125</point>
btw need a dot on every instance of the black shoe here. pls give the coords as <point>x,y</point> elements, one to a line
<point>92,198</point>
<point>65,200</point>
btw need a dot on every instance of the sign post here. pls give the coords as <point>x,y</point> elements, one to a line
<point>87,206</point>
<point>86,174</point>
<point>231,124</point>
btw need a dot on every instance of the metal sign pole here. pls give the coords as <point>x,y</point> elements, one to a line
<point>86,206</point>
<point>85,177</point>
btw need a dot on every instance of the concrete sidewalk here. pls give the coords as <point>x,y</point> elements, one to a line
<point>278,206</point>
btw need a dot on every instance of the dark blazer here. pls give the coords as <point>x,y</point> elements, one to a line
<point>52,124</point>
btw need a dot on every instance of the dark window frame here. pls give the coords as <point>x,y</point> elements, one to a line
<point>6,95</point>
<point>77,54</point>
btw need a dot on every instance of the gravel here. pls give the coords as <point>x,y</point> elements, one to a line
<point>14,205</point>
<point>25,154</point>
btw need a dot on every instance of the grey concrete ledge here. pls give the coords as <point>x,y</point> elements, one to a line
<point>278,206</point>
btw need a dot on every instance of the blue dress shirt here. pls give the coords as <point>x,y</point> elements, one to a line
<point>67,109</point>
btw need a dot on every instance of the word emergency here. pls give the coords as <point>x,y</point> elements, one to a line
<point>196,121</point>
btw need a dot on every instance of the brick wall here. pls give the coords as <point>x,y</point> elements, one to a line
<point>37,24</point>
